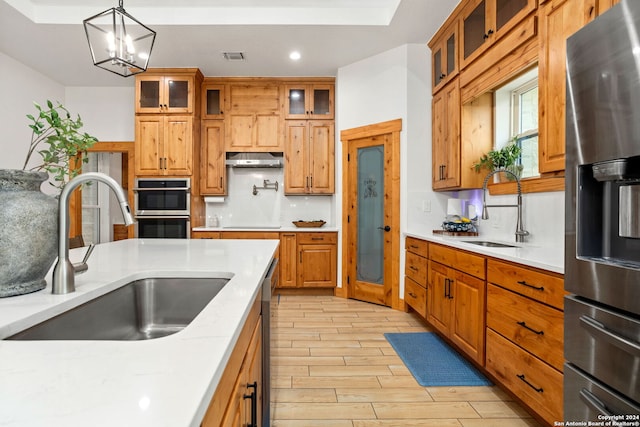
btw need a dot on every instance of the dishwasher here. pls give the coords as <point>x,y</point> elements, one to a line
<point>268,285</point>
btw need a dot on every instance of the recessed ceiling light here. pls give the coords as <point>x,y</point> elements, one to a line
<point>295,55</point>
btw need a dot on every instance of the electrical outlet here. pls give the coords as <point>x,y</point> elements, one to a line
<point>426,206</point>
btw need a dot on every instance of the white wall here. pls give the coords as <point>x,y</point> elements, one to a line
<point>20,87</point>
<point>107,112</point>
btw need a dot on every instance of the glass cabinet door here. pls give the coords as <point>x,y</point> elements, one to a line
<point>178,93</point>
<point>451,54</point>
<point>507,9</point>
<point>321,101</point>
<point>297,101</point>
<point>474,29</point>
<point>212,101</point>
<point>437,67</point>
<point>149,93</point>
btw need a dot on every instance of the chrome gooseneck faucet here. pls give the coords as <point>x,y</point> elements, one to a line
<point>64,272</point>
<point>520,231</point>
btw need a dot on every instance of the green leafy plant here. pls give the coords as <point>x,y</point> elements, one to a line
<point>63,140</point>
<point>502,158</point>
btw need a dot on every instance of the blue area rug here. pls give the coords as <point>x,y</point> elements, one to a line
<point>432,362</point>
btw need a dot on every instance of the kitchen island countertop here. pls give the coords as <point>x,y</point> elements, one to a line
<point>166,381</point>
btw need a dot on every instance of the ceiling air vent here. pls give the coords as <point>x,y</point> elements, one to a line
<point>233,56</point>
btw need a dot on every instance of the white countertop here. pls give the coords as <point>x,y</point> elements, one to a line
<point>272,229</point>
<point>543,257</point>
<point>166,381</point>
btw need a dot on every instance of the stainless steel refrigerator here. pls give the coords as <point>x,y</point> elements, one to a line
<point>602,219</point>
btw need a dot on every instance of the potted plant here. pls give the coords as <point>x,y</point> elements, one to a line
<point>28,217</point>
<point>503,159</point>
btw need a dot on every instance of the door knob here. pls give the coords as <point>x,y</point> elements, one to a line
<point>385,228</point>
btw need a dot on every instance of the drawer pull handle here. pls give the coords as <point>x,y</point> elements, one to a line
<point>414,246</point>
<point>524,283</point>
<point>317,238</point>
<point>598,330</point>
<point>524,325</point>
<point>538,389</point>
<point>412,295</point>
<point>592,401</point>
<point>413,268</point>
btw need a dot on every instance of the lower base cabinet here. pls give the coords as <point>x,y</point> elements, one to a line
<point>308,260</point>
<point>238,398</point>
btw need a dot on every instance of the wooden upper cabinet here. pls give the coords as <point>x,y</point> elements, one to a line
<point>309,101</point>
<point>157,92</point>
<point>446,137</point>
<point>444,54</point>
<point>253,119</point>
<point>213,102</point>
<point>557,20</point>
<point>212,166</point>
<point>164,145</point>
<point>483,22</point>
<point>309,157</point>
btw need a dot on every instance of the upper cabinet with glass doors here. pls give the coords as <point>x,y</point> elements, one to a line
<point>309,101</point>
<point>166,92</point>
<point>444,54</point>
<point>212,100</point>
<point>483,22</point>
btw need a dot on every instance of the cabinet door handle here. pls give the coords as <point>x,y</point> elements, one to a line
<point>221,182</point>
<point>538,389</point>
<point>300,256</point>
<point>450,294</point>
<point>311,179</point>
<point>524,283</point>
<point>446,288</point>
<point>524,325</point>
<point>254,404</point>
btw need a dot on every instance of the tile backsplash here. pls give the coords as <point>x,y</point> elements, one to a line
<point>241,208</point>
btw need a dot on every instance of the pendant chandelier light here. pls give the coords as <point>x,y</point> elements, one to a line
<point>118,42</point>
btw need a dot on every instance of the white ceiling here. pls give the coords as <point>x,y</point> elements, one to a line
<point>48,35</point>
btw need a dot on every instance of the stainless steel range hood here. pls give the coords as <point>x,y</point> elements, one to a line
<point>254,160</point>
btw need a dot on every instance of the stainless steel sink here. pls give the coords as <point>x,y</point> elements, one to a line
<point>490,244</point>
<point>140,310</point>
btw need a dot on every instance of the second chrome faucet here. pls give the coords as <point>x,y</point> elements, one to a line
<point>521,233</point>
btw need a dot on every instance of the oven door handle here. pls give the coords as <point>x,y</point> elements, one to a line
<point>598,330</point>
<point>162,217</point>
<point>187,189</point>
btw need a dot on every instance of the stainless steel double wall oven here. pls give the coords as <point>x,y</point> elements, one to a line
<point>602,220</point>
<point>162,207</point>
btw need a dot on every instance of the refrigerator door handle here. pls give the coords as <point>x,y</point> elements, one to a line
<point>598,330</point>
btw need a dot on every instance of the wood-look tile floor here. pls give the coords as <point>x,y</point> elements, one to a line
<point>332,367</point>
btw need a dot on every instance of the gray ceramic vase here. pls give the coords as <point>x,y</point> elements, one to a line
<point>28,232</point>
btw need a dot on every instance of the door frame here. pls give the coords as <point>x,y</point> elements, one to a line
<point>392,128</point>
<point>128,177</point>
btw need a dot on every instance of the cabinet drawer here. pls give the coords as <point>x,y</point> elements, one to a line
<point>533,381</point>
<point>417,246</point>
<point>311,238</point>
<point>205,234</point>
<point>535,327</point>
<point>544,287</point>
<point>416,268</point>
<point>416,296</point>
<point>460,260</point>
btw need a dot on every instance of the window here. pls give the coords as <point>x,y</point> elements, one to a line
<point>516,117</point>
<point>524,110</point>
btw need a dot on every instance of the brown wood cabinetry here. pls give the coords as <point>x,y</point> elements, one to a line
<point>525,334</point>
<point>213,100</point>
<point>253,117</point>
<point>242,377</point>
<point>416,266</point>
<point>309,101</point>
<point>308,260</point>
<point>456,298</point>
<point>205,234</point>
<point>557,20</point>
<point>167,123</point>
<point>604,5</point>
<point>288,260</point>
<point>309,157</point>
<point>164,145</point>
<point>444,54</point>
<point>483,22</point>
<point>317,260</point>
<point>212,158</point>
<point>167,90</point>
<point>446,137</point>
